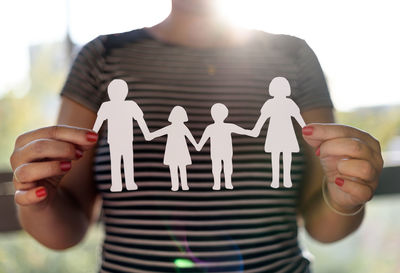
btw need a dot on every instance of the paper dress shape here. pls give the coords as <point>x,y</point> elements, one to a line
<point>177,154</point>
<point>119,114</point>
<point>281,137</point>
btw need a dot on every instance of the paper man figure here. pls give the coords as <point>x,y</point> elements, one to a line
<point>281,137</point>
<point>176,151</point>
<point>119,113</point>
<point>219,133</point>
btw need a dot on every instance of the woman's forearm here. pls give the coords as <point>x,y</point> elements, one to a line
<point>58,225</point>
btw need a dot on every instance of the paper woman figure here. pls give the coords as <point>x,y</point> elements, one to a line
<point>219,133</point>
<point>176,151</point>
<point>119,113</point>
<point>281,137</point>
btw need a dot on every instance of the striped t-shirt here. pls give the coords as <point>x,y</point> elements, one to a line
<point>251,228</point>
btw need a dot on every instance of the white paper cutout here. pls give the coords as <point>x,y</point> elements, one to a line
<point>281,137</point>
<point>176,154</point>
<point>221,149</point>
<point>119,114</point>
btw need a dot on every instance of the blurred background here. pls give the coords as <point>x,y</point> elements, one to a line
<point>357,43</point>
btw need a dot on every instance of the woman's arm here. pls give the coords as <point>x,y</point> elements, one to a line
<point>60,218</point>
<point>320,221</point>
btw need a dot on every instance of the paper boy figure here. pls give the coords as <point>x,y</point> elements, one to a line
<point>281,137</point>
<point>219,133</point>
<point>119,113</point>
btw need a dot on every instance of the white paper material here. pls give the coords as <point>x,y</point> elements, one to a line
<point>120,113</point>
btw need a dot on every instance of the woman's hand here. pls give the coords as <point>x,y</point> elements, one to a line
<point>42,157</point>
<point>351,160</point>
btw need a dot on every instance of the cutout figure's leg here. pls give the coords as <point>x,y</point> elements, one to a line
<point>128,169</point>
<point>275,169</point>
<point>116,181</point>
<point>182,172</point>
<point>174,177</point>
<point>216,170</point>
<point>228,169</point>
<point>287,164</point>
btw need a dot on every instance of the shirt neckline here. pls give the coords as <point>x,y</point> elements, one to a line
<point>164,43</point>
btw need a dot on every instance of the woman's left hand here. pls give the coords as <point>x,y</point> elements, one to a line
<point>351,160</point>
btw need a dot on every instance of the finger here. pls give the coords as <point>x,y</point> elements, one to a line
<point>30,197</point>
<point>316,133</point>
<point>79,136</point>
<point>359,191</point>
<point>45,149</point>
<point>31,172</point>
<point>348,147</point>
<point>361,169</point>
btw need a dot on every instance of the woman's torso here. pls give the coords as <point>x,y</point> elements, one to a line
<point>251,228</point>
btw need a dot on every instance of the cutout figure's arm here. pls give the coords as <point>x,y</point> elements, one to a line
<point>259,124</point>
<point>191,139</point>
<point>299,119</point>
<point>240,131</point>
<point>204,138</point>
<point>143,127</point>
<point>295,112</point>
<point>158,133</point>
<point>99,120</point>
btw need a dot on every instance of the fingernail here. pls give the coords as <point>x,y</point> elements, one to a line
<point>91,136</point>
<point>65,166</point>
<point>78,153</point>
<point>317,152</point>
<point>339,181</point>
<point>308,130</point>
<point>41,192</point>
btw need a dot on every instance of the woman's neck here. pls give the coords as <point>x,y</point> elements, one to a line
<point>199,30</point>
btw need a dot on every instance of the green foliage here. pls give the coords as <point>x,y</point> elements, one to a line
<point>381,122</point>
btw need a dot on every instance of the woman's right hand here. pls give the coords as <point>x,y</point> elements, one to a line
<point>42,157</point>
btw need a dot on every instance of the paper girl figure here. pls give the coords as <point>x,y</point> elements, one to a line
<point>176,151</point>
<point>219,133</point>
<point>119,113</point>
<point>281,137</point>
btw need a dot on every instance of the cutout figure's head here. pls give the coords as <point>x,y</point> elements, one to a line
<point>219,112</point>
<point>279,87</point>
<point>117,90</point>
<point>178,114</point>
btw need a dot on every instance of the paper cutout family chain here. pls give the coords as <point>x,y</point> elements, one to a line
<point>281,137</point>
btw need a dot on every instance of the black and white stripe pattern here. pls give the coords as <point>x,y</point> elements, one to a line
<point>251,228</point>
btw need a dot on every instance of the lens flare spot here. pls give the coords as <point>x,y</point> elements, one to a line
<point>183,263</point>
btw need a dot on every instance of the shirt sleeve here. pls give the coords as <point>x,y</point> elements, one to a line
<point>83,81</point>
<point>312,90</point>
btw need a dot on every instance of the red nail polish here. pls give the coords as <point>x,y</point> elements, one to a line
<point>78,153</point>
<point>339,181</point>
<point>317,152</point>
<point>41,192</point>
<point>308,130</point>
<point>91,136</point>
<point>65,166</point>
